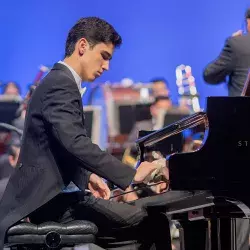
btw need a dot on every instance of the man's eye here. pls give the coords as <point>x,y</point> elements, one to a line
<point>105,57</point>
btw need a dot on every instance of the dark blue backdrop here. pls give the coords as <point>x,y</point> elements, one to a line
<point>158,35</point>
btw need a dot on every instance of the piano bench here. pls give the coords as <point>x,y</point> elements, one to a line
<point>50,235</point>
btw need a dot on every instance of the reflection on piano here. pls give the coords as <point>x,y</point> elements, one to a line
<point>211,182</point>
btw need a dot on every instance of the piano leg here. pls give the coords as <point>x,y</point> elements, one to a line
<point>160,222</point>
<point>193,235</point>
<point>223,234</point>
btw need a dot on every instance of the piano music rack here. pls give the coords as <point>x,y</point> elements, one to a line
<point>173,129</point>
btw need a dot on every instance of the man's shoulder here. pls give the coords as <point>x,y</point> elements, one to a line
<point>57,78</point>
<point>57,75</point>
<point>239,41</point>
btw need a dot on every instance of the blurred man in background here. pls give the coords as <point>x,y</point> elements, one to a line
<point>11,88</point>
<point>8,162</point>
<point>160,87</point>
<point>161,103</point>
<point>233,62</point>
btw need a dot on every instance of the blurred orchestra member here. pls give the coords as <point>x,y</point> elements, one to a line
<point>14,151</point>
<point>11,88</point>
<point>21,112</point>
<point>8,162</point>
<point>160,87</point>
<point>233,62</point>
<point>160,103</point>
<point>19,121</point>
<point>11,92</point>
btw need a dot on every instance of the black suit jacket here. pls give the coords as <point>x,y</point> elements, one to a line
<point>234,62</point>
<point>55,150</point>
<point>5,172</point>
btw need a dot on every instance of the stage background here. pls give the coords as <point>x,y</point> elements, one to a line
<point>158,35</point>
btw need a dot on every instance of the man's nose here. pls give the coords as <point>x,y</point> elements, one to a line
<point>105,66</point>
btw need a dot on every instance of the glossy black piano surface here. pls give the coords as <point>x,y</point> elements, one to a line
<point>221,163</point>
<point>210,182</point>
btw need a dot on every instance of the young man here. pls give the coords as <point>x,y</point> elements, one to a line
<point>56,151</point>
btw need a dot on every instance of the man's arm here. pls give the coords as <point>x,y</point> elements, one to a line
<point>81,179</point>
<point>62,112</point>
<point>217,71</point>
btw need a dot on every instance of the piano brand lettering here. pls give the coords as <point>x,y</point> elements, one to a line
<point>242,143</point>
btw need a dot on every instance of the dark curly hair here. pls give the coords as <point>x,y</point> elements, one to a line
<point>247,13</point>
<point>94,30</point>
<point>160,79</point>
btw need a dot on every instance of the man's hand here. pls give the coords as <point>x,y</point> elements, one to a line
<point>161,187</point>
<point>121,197</point>
<point>144,171</point>
<point>238,33</point>
<point>98,187</point>
<point>163,174</point>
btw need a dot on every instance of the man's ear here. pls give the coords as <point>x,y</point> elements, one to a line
<point>82,46</point>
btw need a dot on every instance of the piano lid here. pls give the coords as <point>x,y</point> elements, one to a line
<point>173,129</point>
<point>222,163</point>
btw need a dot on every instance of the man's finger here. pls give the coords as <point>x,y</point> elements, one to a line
<point>108,194</point>
<point>150,173</point>
<point>104,190</point>
<point>102,185</point>
<point>163,187</point>
<point>96,194</point>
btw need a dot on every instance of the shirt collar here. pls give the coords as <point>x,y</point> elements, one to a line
<point>77,78</point>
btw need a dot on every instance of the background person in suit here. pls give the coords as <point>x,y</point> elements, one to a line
<point>234,62</point>
<point>160,87</point>
<point>55,149</point>
<point>160,103</point>
<point>7,163</point>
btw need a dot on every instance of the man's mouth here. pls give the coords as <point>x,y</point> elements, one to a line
<point>99,73</point>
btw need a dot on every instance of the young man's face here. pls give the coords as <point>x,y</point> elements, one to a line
<point>95,60</point>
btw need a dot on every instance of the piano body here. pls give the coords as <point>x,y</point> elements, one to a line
<point>210,184</point>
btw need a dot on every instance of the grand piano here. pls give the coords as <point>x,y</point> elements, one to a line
<point>209,186</point>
